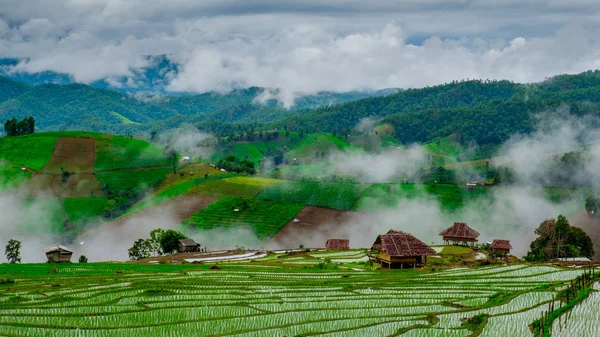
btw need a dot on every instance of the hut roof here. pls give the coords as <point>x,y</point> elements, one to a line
<point>460,230</point>
<point>501,244</point>
<point>57,247</point>
<point>398,244</point>
<point>187,242</point>
<point>337,244</point>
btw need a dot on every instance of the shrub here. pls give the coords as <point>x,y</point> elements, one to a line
<point>83,259</point>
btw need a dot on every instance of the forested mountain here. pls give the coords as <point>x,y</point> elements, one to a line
<point>78,106</point>
<point>485,112</point>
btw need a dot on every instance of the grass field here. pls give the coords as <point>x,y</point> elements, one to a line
<point>318,144</point>
<point>251,151</point>
<point>31,152</point>
<point>121,153</point>
<point>265,299</point>
<point>265,218</point>
<point>444,151</point>
<point>450,197</point>
<point>12,175</point>
<point>84,209</point>
<point>331,195</point>
<point>312,171</point>
<point>235,186</point>
<point>136,181</point>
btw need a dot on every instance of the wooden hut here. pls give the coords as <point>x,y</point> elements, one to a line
<point>459,233</point>
<point>58,253</point>
<point>187,245</point>
<point>337,244</point>
<point>501,247</point>
<point>398,250</point>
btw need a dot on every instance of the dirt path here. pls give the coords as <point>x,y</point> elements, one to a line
<point>591,226</point>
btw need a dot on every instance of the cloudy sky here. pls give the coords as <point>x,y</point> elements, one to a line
<point>304,46</point>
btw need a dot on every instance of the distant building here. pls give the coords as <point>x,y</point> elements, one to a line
<point>398,250</point>
<point>58,253</point>
<point>338,244</point>
<point>187,245</point>
<point>501,247</point>
<point>459,232</point>
<point>471,186</point>
<point>574,259</point>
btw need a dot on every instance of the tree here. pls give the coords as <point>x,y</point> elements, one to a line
<point>13,251</point>
<point>591,205</point>
<point>139,250</point>
<point>154,241</point>
<point>83,259</point>
<point>556,239</point>
<point>169,239</point>
<point>171,156</point>
<point>12,127</point>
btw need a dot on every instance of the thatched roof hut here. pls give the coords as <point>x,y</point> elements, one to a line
<point>459,232</point>
<point>187,245</point>
<point>501,246</point>
<point>337,244</point>
<point>58,253</point>
<point>399,248</point>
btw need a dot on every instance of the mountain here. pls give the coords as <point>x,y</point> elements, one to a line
<point>79,106</point>
<point>484,112</point>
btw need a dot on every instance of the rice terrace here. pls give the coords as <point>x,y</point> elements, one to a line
<point>299,168</point>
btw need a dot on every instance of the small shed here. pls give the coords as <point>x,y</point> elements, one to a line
<point>399,249</point>
<point>459,232</point>
<point>337,244</point>
<point>58,253</point>
<point>501,246</point>
<point>187,245</point>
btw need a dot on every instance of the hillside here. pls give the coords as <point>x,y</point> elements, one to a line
<point>78,106</point>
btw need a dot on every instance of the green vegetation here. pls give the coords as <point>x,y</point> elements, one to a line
<point>456,250</point>
<point>30,151</point>
<point>84,210</point>
<point>22,127</point>
<point>235,186</point>
<point>557,239</point>
<point>265,218</point>
<point>124,119</point>
<point>136,181</point>
<point>255,299</point>
<point>331,195</point>
<point>317,146</point>
<point>451,197</point>
<point>12,176</point>
<point>122,153</point>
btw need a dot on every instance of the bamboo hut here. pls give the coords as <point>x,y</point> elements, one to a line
<point>337,244</point>
<point>459,233</point>
<point>398,250</point>
<point>58,253</point>
<point>501,247</point>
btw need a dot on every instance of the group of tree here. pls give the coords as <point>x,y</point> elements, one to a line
<point>558,239</point>
<point>12,127</point>
<point>591,205</point>
<point>234,164</point>
<point>160,242</point>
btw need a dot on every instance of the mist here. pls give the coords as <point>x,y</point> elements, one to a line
<point>189,142</point>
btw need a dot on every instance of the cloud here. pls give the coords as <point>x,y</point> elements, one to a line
<point>303,47</point>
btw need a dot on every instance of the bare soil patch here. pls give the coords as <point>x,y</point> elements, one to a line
<point>316,225</point>
<point>164,215</point>
<point>73,154</point>
<point>591,226</point>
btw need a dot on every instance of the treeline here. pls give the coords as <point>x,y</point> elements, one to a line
<point>12,127</point>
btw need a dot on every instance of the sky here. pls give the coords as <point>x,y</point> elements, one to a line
<point>302,47</point>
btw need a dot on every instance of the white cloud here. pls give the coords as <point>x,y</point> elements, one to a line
<point>303,47</point>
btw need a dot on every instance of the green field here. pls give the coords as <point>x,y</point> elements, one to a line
<point>444,151</point>
<point>331,195</point>
<point>31,152</point>
<point>84,209</point>
<point>265,218</point>
<point>122,153</point>
<point>252,151</point>
<point>263,298</point>
<point>450,197</point>
<point>12,175</point>
<point>136,181</point>
<point>314,145</point>
<point>235,186</point>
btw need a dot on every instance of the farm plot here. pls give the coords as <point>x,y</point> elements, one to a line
<point>122,153</point>
<point>235,186</point>
<point>72,154</point>
<point>12,176</point>
<point>131,300</point>
<point>330,195</point>
<point>27,151</point>
<point>135,181</point>
<point>265,218</point>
